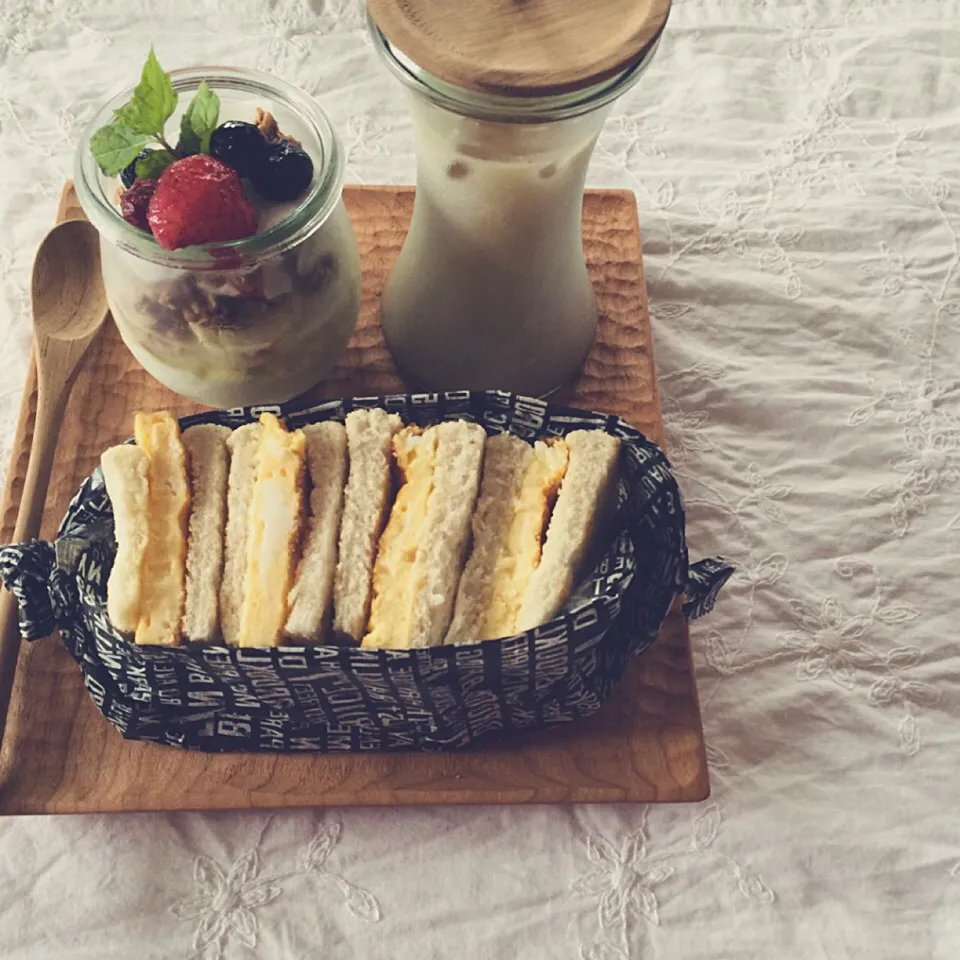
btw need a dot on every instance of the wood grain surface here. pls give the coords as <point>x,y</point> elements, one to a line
<point>527,48</point>
<point>69,308</point>
<point>60,756</point>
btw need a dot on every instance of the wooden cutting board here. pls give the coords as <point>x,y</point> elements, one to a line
<point>60,756</point>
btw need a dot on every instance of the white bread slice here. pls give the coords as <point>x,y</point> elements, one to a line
<point>273,540</point>
<point>365,504</point>
<point>506,460</point>
<point>311,596</point>
<point>164,561</point>
<point>243,444</point>
<point>126,475</point>
<point>589,484</point>
<point>207,457</point>
<point>443,547</point>
<point>517,491</point>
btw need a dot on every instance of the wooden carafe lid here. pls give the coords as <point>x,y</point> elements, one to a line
<point>521,47</point>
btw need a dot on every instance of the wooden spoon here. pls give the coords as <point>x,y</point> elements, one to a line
<point>69,307</point>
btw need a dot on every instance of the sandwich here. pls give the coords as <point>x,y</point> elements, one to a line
<point>519,485</point>
<point>242,444</point>
<point>162,568</point>
<point>273,533</point>
<point>366,500</point>
<point>311,598</point>
<point>263,536</point>
<point>208,459</point>
<point>586,494</point>
<point>421,552</point>
<point>126,474</point>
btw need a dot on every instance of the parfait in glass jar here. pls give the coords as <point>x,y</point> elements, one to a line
<point>230,264</point>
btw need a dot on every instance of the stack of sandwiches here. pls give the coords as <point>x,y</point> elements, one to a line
<point>366,532</point>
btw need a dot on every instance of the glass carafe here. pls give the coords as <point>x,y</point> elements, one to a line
<point>490,289</point>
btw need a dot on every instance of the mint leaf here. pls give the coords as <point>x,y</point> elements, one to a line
<point>199,121</point>
<point>115,146</point>
<point>153,164</point>
<point>153,101</point>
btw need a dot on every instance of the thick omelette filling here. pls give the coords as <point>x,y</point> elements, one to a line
<point>519,555</point>
<point>395,574</point>
<point>161,574</point>
<point>275,511</point>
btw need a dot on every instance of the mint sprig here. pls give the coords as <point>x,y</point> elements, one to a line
<point>199,121</point>
<point>153,101</point>
<point>142,120</point>
<point>114,147</point>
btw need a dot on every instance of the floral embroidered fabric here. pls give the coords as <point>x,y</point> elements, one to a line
<point>797,167</point>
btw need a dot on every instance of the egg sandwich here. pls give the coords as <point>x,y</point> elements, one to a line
<point>421,552</point>
<point>520,485</point>
<point>148,486</point>
<point>364,532</point>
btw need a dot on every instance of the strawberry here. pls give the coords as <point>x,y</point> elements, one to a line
<point>199,200</point>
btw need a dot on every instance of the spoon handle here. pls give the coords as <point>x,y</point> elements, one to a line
<point>50,407</point>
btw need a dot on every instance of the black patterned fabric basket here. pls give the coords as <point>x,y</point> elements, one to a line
<point>329,698</point>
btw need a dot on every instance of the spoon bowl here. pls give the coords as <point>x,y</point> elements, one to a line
<point>69,302</point>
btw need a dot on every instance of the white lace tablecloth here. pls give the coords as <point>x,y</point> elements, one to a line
<point>797,166</point>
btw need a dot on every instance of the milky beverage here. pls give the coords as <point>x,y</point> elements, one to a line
<point>491,288</point>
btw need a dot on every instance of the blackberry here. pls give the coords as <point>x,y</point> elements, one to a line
<point>284,174</point>
<point>239,145</point>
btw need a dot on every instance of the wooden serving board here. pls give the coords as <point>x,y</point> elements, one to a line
<point>60,756</point>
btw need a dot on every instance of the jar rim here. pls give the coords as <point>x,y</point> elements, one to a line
<point>308,216</point>
<point>507,108</point>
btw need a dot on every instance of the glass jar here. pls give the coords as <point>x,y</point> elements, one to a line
<point>490,289</point>
<point>252,321</point>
